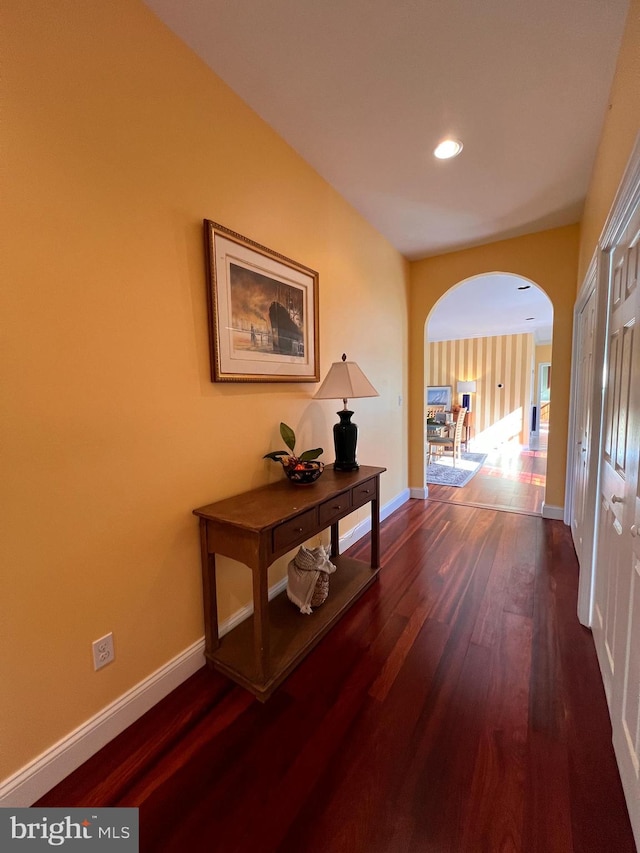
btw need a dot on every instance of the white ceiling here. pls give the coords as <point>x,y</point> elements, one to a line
<point>489,305</point>
<point>365,89</point>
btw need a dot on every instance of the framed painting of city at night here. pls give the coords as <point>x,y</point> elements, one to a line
<point>263,312</point>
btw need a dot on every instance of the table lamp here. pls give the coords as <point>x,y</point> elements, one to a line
<point>345,381</point>
<point>467,389</point>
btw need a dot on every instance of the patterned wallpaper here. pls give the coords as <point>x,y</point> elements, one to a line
<point>499,414</point>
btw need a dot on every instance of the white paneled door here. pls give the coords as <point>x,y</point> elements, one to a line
<point>582,428</point>
<point>616,623</point>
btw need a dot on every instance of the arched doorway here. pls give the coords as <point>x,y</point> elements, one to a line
<point>489,338</point>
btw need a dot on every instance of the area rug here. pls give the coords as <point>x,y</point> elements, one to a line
<point>442,472</point>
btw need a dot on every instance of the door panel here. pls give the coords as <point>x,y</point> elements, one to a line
<point>630,704</point>
<point>610,430</point>
<point>605,596</point>
<point>623,398</point>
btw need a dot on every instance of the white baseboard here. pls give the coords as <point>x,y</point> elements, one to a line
<point>36,778</point>
<point>550,511</point>
<point>419,494</point>
<point>394,504</point>
<point>52,766</point>
<point>361,529</point>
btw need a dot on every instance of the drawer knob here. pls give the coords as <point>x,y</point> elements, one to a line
<point>337,507</point>
<point>616,499</point>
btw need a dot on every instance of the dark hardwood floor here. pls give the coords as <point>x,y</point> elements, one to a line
<point>457,707</point>
<point>512,479</point>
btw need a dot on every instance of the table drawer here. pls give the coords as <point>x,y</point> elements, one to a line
<point>294,532</point>
<point>334,508</point>
<point>364,492</point>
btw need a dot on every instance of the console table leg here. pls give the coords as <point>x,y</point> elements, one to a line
<point>209,592</point>
<point>375,534</point>
<point>335,540</point>
<point>261,621</point>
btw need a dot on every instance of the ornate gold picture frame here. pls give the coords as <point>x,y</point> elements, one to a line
<point>263,312</point>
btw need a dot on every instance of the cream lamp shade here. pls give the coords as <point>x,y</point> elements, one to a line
<point>345,381</point>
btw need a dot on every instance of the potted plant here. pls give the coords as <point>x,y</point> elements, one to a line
<point>300,469</point>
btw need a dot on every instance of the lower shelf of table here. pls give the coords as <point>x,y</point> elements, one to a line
<point>292,634</point>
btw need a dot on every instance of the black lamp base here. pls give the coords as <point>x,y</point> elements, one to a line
<point>345,439</point>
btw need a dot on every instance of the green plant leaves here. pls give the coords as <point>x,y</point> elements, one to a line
<point>275,455</point>
<point>288,436</point>
<point>308,455</point>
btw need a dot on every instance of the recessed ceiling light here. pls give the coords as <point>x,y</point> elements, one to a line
<point>448,148</point>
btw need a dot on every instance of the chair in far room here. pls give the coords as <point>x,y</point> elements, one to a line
<point>437,445</point>
<point>432,411</point>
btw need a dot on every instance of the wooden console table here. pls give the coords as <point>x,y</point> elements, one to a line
<point>256,528</point>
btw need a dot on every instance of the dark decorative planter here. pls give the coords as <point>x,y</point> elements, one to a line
<point>304,473</point>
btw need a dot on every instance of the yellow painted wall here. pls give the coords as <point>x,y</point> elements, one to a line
<point>619,133</point>
<point>117,142</point>
<point>543,355</point>
<point>499,414</point>
<point>550,260</point>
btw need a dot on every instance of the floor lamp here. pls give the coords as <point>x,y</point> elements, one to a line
<point>467,389</point>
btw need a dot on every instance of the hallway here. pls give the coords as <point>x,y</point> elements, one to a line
<point>457,708</point>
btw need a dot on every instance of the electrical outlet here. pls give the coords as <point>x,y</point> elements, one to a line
<point>103,652</point>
